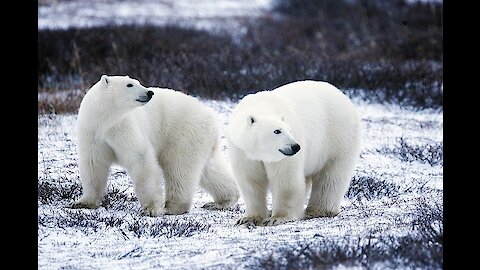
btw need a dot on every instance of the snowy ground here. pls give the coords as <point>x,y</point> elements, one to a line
<point>199,13</point>
<point>390,217</point>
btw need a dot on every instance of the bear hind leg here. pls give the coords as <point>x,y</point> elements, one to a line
<point>147,176</point>
<point>181,181</point>
<point>218,181</point>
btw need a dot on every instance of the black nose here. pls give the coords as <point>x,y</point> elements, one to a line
<point>150,94</point>
<point>295,148</point>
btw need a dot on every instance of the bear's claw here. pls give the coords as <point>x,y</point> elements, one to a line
<point>217,206</point>
<point>273,221</point>
<point>152,211</point>
<point>315,213</point>
<point>172,208</point>
<point>249,221</point>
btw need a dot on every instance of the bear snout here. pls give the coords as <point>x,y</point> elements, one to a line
<point>295,148</point>
<point>145,99</point>
<point>290,151</point>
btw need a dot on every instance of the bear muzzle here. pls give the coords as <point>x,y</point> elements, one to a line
<point>145,99</point>
<point>290,151</point>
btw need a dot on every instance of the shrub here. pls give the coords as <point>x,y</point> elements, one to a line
<point>49,192</point>
<point>369,188</point>
<point>166,228</point>
<point>431,153</point>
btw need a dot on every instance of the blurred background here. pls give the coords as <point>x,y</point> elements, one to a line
<point>387,51</point>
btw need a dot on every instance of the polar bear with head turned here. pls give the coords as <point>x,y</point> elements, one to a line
<point>302,134</point>
<point>159,136</point>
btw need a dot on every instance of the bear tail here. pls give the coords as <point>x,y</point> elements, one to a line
<point>217,179</point>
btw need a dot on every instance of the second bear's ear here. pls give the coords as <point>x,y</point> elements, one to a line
<point>251,120</point>
<point>104,79</point>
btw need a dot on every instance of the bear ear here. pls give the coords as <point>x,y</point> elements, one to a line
<point>251,120</point>
<point>104,79</point>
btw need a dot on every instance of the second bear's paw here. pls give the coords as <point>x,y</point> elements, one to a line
<point>172,208</point>
<point>314,213</point>
<point>152,211</point>
<point>273,221</point>
<point>218,205</point>
<point>82,204</point>
<point>249,221</point>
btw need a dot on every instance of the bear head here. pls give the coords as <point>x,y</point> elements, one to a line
<point>124,92</point>
<point>265,138</point>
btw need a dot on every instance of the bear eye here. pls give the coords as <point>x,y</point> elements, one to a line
<point>277,131</point>
<point>129,85</point>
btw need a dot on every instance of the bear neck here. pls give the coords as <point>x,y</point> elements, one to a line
<point>98,117</point>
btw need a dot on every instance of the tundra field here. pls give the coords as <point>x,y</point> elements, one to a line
<point>386,55</point>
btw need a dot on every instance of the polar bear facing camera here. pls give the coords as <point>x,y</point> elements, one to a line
<point>158,135</point>
<point>305,133</point>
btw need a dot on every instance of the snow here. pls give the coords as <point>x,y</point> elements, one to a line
<point>219,244</point>
<point>199,13</point>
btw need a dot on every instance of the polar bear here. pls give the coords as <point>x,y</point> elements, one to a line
<point>158,135</point>
<point>303,134</point>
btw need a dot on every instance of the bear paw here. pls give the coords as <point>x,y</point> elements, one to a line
<point>249,221</point>
<point>217,205</point>
<point>315,213</point>
<point>152,211</point>
<point>176,208</point>
<point>273,221</point>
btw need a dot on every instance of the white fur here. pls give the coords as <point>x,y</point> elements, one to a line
<point>318,117</point>
<point>172,137</point>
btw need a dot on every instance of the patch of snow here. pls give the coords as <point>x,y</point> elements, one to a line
<point>199,13</point>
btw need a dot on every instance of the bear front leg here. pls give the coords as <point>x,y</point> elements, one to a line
<point>94,163</point>
<point>252,181</point>
<point>254,193</point>
<point>288,193</point>
<point>147,176</point>
<point>136,154</point>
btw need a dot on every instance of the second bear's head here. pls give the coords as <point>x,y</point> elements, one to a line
<point>266,138</point>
